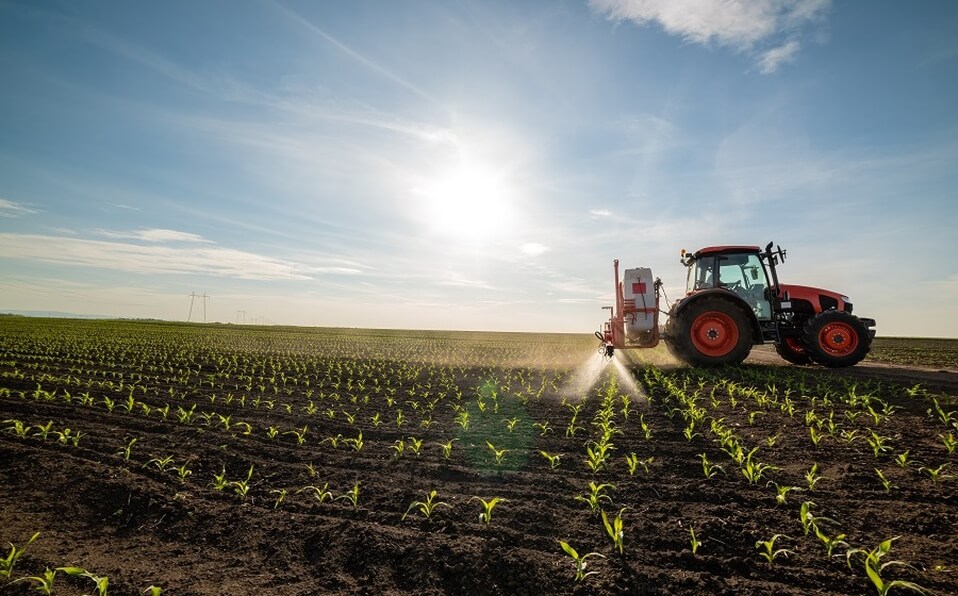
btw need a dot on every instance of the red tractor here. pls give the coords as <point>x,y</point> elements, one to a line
<point>733,300</point>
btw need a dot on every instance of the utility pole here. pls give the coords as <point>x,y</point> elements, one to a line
<point>205,298</point>
<point>192,298</point>
<point>238,313</point>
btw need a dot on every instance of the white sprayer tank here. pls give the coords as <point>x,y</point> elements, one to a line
<point>638,292</point>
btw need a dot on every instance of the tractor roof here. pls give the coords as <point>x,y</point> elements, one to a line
<point>717,250</point>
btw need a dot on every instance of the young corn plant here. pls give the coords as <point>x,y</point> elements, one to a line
<point>949,441</point>
<point>447,448</point>
<point>615,529</point>
<point>694,541</point>
<point>125,451</point>
<point>219,480</point>
<point>902,459</point>
<point>321,494</point>
<point>161,463</point>
<point>351,496</point>
<point>7,563</point>
<point>485,515</point>
<point>579,560</point>
<point>781,492</point>
<point>17,428</point>
<point>885,481</point>
<point>414,445</point>
<point>874,568</point>
<point>426,507</point>
<point>634,462</point>
<point>596,496</point>
<point>830,542</point>
<point>44,584</point>
<point>812,477</point>
<point>280,496</point>
<point>498,454</point>
<point>708,468</point>
<point>936,475</point>
<point>552,459</point>
<point>878,443</point>
<point>241,487</point>
<point>769,552</point>
<point>101,583</point>
<point>753,470</point>
<point>810,520</point>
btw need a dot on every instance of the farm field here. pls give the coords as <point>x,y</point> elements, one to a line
<point>217,459</point>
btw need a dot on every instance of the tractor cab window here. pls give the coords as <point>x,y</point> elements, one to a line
<point>744,276</point>
<point>701,275</point>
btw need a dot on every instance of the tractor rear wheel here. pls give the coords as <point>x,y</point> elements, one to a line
<point>792,350</point>
<point>836,339</point>
<point>711,332</point>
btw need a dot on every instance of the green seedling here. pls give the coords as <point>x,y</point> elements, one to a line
<point>781,496</point>
<point>615,529</point>
<point>708,468</point>
<point>352,496</point>
<point>874,568</point>
<point>7,563</point>
<point>17,428</point>
<point>44,584</point>
<point>43,430</point>
<point>694,541</point>
<point>426,507</point>
<point>830,542</point>
<point>485,515</point>
<point>241,487</point>
<point>280,497</point>
<point>219,480</point>
<point>949,441</point>
<point>885,482</point>
<point>902,459</point>
<point>125,451</point>
<point>768,550</point>
<point>812,477</point>
<point>399,446</point>
<point>580,561</point>
<point>320,494</point>
<point>936,474</point>
<point>596,496</point>
<point>447,447</point>
<point>414,445</point>
<point>552,459</point>
<point>543,427</point>
<point>498,454</point>
<point>101,583</point>
<point>161,463</point>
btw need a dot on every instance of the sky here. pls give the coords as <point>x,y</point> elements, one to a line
<point>471,164</point>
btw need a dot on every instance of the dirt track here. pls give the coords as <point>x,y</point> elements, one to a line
<point>129,520</point>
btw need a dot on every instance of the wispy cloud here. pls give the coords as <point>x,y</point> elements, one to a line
<point>599,213</point>
<point>13,209</point>
<point>215,261</point>
<point>533,249</point>
<point>738,24</point>
<point>154,235</point>
<point>770,60</point>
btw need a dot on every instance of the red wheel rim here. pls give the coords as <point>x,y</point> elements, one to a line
<point>714,333</point>
<point>794,345</point>
<point>838,339</point>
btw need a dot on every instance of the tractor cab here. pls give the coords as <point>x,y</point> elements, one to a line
<point>736,269</point>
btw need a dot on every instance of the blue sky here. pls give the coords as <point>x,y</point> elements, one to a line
<point>471,165</point>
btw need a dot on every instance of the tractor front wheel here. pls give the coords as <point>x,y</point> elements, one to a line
<point>836,339</point>
<point>792,350</point>
<point>711,332</point>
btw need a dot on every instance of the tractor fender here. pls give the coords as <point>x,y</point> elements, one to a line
<point>684,303</point>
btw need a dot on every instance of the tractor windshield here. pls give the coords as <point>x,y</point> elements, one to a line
<point>744,276</point>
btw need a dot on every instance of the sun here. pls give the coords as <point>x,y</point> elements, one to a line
<point>469,202</point>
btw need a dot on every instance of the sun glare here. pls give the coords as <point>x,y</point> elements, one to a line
<point>469,202</point>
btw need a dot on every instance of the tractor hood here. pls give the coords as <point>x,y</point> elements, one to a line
<point>819,298</point>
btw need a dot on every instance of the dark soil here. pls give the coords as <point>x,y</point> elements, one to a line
<point>140,525</point>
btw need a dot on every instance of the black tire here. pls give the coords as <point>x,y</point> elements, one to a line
<point>712,331</point>
<point>836,339</point>
<point>792,350</point>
